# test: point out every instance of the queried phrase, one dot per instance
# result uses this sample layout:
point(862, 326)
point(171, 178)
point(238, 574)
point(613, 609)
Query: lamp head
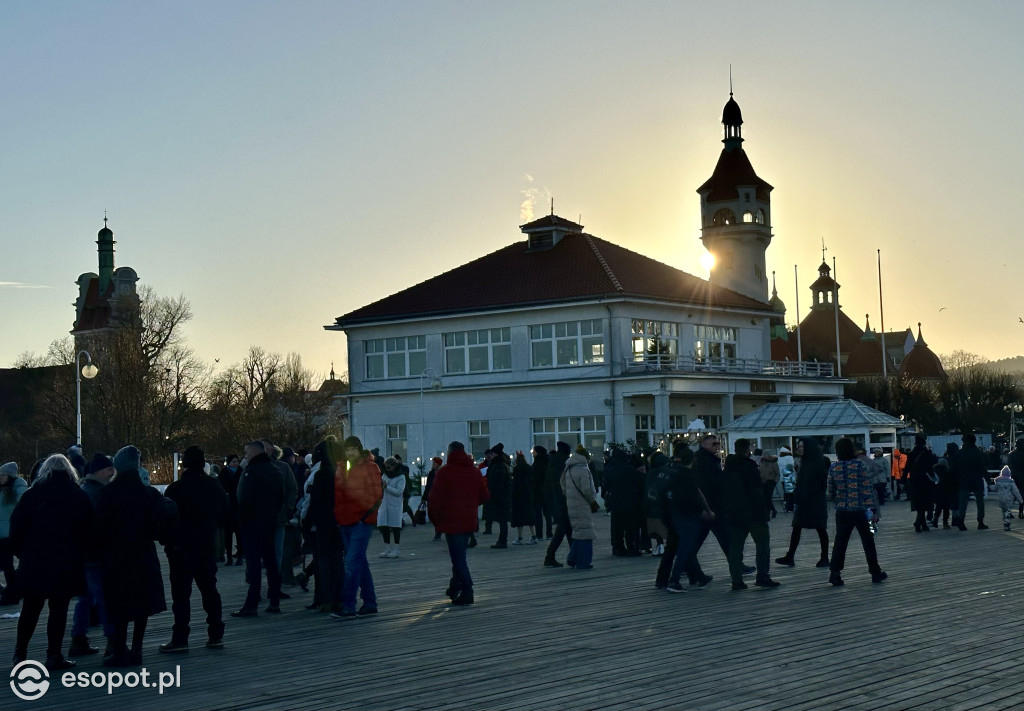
point(89, 371)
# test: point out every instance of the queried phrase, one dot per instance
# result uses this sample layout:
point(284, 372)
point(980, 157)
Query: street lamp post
point(89, 372)
point(1014, 408)
point(435, 384)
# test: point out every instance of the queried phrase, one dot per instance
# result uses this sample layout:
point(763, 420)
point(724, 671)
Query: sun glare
point(707, 260)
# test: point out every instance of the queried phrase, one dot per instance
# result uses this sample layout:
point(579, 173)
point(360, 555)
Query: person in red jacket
point(457, 492)
point(357, 496)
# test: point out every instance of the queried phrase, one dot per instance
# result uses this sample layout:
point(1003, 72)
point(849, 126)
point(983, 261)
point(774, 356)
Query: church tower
point(735, 207)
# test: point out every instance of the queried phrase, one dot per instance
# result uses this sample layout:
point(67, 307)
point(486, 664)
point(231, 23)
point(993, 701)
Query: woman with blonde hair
point(49, 530)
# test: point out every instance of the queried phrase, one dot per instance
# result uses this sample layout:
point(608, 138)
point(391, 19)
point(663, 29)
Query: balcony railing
point(738, 366)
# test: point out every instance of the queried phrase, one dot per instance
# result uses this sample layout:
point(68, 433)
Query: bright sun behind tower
point(707, 260)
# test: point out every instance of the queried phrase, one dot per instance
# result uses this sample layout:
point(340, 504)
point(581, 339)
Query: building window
point(761, 218)
point(748, 216)
point(677, 423)
point(398, 441)
point(590, 431)
point(404, 357)
point(715, 343)
point(655, 341)
point(711, 422)
point(479, 437)
point(569, 343)
point(479, 351)
point(644, 429)
point(725, 216)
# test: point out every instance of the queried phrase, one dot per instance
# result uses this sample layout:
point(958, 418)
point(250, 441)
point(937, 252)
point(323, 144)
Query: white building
point(565, 336)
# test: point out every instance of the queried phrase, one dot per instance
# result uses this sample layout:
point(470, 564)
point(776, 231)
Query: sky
point(283, 163)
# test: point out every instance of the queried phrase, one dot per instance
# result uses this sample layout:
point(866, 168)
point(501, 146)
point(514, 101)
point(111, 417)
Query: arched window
point(761, 218)
point(725, 216)
point(748, 217)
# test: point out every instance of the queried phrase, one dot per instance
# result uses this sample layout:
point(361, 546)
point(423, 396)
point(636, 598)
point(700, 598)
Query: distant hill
point(1009, 365)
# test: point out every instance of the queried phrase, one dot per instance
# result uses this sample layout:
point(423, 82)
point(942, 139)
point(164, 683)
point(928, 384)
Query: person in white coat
point(389, 516)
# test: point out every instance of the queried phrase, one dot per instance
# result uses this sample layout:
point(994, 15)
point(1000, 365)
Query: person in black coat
point(921, 470)
point(970, 470)
point(747, 515)
point(541, 512)
point(623, 496)
point(228, 478)
point(130, 516)
point(809, 497)
point(328, 565)
point(557, 504)
point(50, 527)
point(261, 502)
point(499, 484)
point(192, 553)
point(946, 491)
point(522, 500)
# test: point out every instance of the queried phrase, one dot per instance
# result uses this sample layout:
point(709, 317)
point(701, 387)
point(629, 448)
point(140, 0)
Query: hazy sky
point(282, 163)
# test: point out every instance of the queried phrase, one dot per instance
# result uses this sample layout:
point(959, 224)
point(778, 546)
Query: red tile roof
point(578, 267)
point(922, 362)
point(866, 359)
point(818, 336)
point(96, 310)
point(733, 169)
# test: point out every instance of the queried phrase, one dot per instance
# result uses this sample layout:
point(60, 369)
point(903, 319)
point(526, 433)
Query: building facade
point(562, 335)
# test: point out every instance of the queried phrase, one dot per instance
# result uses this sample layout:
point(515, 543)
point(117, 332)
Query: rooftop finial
point(104, 218)
point(552, 204)
point(823, 248)
point(730, 78)
point(332, 370)
point(774, 292)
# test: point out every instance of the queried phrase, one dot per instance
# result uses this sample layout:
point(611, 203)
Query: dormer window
point(541, 240)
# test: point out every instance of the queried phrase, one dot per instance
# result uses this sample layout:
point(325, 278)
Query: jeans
point(979, 498)
point(92, 597)
point(184, 568)
point(462, 581)
point(687, 532)
point(581, 554)
point(758, 530)
point(846, 521)
point(355, 538)
point(260, 550)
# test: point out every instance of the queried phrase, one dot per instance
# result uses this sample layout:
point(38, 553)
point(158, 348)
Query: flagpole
point(835, 308)
point(799, 349)
point(881, 310)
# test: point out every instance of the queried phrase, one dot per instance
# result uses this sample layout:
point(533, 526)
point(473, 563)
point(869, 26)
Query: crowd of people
point(89, 529)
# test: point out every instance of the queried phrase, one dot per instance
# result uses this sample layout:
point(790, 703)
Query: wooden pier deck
point(944, 632)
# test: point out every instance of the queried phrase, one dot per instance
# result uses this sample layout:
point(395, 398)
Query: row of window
point(552, 345)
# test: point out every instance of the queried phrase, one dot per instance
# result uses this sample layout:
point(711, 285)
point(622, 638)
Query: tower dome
point(866, 357)
point(731, 114)
point(921, 362)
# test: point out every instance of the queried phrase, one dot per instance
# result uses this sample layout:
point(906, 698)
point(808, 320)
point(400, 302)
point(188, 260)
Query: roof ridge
point(604, 264)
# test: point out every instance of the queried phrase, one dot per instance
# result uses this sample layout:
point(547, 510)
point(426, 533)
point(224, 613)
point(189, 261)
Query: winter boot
point(80, 647)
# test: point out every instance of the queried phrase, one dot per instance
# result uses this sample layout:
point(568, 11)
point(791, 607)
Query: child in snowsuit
point(1009, 496)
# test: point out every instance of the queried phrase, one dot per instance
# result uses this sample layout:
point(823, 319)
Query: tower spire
point(730, 79)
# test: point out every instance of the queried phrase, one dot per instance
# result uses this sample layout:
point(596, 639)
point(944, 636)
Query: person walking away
point(621, 499)
point(130, 517)
point(809, 497)
point(261, 499)
point(286, 537)
point(946, 493)
point(522, 503)
point(1015, 460)
point(557, 503)
point(655, 487)
point(319, 520)
point(458, 491)
point(192, 553)
point(228, 477)
point(899, 464)
point(688, 510)
point(879, 468)
point(499, 484)
point(541, 512)
point(770, 475)
point(49, 529)
point(970, 470)
point(922, 480)
point(577, 486)
point(389, 517)
point(1009, 495)
point(100, 472)
point(12, 487)
point(849, 486)
point(357, 497)
point(747, 515)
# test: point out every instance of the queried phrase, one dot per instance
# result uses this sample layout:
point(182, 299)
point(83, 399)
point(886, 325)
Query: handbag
point(594, 506)
point(420, 517)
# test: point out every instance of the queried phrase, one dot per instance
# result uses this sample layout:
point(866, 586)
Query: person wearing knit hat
point(129, 517)
point(101, 471)
point(202, 505)
point(1009, 495)
point(12, 487)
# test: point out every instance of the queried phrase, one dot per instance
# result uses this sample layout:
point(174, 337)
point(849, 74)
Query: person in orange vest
point(899, 463)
